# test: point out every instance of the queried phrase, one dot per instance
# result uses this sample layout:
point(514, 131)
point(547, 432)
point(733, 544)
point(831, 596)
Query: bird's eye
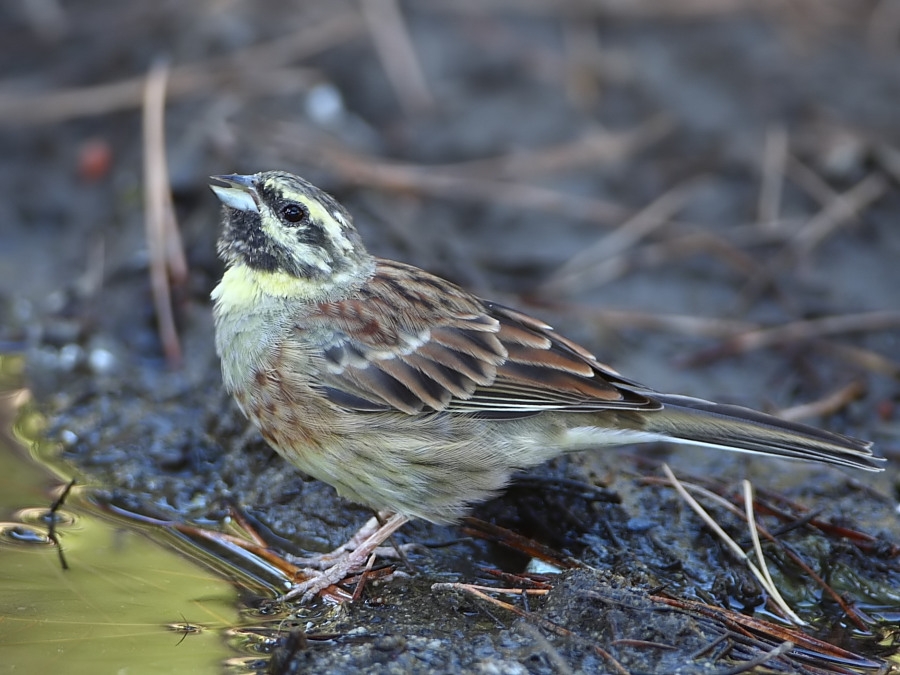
point(293, 213)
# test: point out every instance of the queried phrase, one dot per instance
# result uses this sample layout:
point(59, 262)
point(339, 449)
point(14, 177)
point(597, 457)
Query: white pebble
point(324, 104)
point(101, 360)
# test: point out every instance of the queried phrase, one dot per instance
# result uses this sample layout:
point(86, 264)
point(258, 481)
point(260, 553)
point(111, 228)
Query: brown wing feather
point(412, 342)
point(545, 371)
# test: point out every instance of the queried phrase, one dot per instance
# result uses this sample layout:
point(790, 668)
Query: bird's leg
point(348, 557)
point(325, 560)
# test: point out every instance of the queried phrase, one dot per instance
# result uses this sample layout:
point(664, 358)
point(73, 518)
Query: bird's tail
point(684, 419)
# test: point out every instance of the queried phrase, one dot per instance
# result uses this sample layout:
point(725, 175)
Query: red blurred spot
point(94, 159)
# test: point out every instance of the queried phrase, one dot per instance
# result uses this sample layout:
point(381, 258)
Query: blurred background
point(746, 152)
point(703, 192)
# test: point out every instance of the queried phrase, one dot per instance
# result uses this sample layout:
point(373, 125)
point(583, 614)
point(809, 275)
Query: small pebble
point(68, 437)
point(101, 360)
point(324, 104)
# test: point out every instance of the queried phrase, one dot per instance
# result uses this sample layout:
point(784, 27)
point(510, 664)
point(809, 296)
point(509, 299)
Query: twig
point(186, 80)
point(888, 158)
point(773, 167)
point(492, 589)
point(51, 531)
point(747, 625)
point(159, 215)
point(654, 254)
point(748, 666)
point(799, 331)
point(753, 527)
point(397, 177)
point(861, 540)
point(827, 405)
point(593, 149)
point(397, 54)
point(517, 542)
point(546, 624)
point(363, 578)
point(843, 208)
point(810, 182)
point(655, 9)
point(678, 324)
point(763, 578)
point(576, 273)
point(861, 358)
point(482, 180)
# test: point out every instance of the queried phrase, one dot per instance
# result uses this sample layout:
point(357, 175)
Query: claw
point(345, 561)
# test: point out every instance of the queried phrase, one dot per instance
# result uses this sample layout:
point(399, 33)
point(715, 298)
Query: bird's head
point(278, 226)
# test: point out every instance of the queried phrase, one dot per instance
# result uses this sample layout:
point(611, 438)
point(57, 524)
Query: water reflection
point(114, 609)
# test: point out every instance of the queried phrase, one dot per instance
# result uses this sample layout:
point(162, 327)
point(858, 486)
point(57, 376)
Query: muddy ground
point(656, 179)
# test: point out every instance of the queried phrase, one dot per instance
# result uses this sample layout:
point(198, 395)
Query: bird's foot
point(331, 568)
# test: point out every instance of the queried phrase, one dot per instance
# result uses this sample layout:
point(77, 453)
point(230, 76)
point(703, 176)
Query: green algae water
point(126, 604)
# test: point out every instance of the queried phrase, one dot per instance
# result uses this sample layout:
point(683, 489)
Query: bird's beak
point(241, 193)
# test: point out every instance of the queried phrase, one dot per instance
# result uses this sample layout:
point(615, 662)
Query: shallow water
point(126, 603)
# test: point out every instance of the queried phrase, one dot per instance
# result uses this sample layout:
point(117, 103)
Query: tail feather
point(684, 419)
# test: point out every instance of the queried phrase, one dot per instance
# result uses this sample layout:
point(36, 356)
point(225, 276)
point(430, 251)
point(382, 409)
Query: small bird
point(412, 396)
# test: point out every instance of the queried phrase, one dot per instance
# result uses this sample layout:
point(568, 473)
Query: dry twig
point(395, 49)
point(826, 405)
point(773, 168)
point(861, 540)
point(546, 624)
point(596, 147)
point(655, 9)
point(800, 331)
point(656, 254)
point(411, 178)
point(167, 261)
point(678, 324)
point(838, 212)
point(762, 576)
point(751, 626)
point(861, 358)
point(810, 182)
point(478, 528)
point(577, 272)
point(200, 78)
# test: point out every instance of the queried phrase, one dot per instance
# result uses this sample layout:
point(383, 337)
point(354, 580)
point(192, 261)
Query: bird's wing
point(412, 342)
